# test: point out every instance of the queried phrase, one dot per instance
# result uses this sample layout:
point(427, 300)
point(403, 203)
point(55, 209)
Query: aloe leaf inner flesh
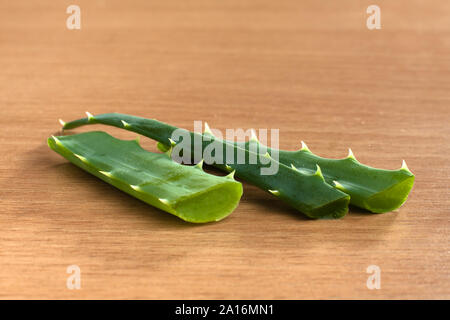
point(184, 191)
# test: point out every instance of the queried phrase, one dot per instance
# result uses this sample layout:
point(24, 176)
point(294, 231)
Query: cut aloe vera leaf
point(184, 191)
point(373, 189)
point(306, 192)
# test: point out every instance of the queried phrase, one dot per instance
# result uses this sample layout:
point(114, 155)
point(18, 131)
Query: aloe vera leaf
point(308, 193)
point(373, 189)
point(376, 190)
point(184, 191)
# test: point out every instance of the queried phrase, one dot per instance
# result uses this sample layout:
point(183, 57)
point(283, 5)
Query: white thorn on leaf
point(200, 164)
point(274, 192)
point(57, 141)
point(165, 201)
point(172, 142)
point(62, 122)
point(253, 136)
point(83, 159)
point(293, 167)
point(229, 169)
point(267, 155)
point(318, 171)
point(404, 166)
point(304, 147)
point(135, 187)
point(89, 115)
point(207, 129)
point(125, 124)
point(108, 174)
point(338, 185)
point(231, 175)
point(350, 154)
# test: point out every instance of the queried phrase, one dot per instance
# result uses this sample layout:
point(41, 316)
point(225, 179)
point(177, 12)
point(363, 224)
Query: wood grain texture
point(310, 68)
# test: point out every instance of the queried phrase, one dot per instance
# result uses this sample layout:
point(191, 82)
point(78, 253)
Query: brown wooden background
point(310, 68)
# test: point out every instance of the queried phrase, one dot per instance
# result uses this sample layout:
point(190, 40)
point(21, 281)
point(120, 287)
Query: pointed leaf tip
point(62, 122)
point(125, 124)
point(304, 147)
point(89, 115)
point(274, 192)
point(200, 164)
point(231, 175)
point(207, 129)
point(253, 136)
point(350, 154)
point(318, 171)
point(108, 174)
point(338, 185)
point(135, 187)
point(172, 143)
point(57, 141)
point(165, 201)
point(83, 159)
point(405, 167)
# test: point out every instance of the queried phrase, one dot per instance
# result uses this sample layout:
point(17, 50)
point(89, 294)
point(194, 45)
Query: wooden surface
point(310, 68)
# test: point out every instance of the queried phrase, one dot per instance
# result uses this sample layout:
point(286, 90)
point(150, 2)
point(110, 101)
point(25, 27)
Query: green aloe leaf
point(373, 189)
point(184, 191)
point(307, 192)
